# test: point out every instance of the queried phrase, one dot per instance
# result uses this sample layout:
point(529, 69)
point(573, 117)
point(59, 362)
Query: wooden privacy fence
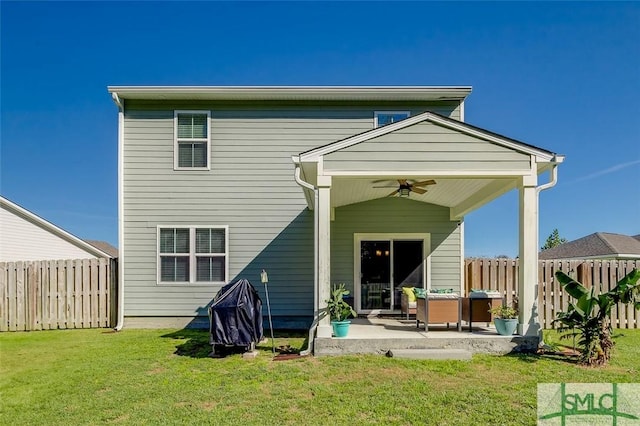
point(57, 294)
point(502, 275)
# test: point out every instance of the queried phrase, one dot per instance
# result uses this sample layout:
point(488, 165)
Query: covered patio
point(346, 185)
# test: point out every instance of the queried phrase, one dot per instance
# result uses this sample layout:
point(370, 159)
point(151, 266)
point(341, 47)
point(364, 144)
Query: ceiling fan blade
point(393, 193)
point(424, 182)
point(418, 190)
point(389, 186)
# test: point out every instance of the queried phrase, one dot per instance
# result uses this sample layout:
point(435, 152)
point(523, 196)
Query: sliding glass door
point(384, 266)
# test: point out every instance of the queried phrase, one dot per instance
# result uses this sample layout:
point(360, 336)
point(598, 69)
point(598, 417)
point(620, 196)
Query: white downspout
point(120, 315)
point(314, 324)
point(539, 189)
point(552, 182)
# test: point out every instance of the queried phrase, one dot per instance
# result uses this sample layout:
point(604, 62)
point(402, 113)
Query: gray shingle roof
point(104, 246)
point(601, 244)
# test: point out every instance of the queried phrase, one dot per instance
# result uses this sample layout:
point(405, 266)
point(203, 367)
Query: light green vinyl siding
point(397, 215)
point(427, 146)
point(249, 187)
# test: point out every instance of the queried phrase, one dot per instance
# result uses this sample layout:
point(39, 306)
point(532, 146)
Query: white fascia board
point(48, 226)
point(321, 93)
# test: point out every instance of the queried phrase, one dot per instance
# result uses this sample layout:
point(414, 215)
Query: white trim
point(449, 123)
point(462, 111)
point(377, 113)
point(192, 255)
point(176, 140)
point(391, 237)
point(318, 93)
point(51, 228)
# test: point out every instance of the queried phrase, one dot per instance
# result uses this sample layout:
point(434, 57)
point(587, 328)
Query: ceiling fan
point(405, 187)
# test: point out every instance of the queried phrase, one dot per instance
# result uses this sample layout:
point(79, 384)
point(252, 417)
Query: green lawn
point(164, 377)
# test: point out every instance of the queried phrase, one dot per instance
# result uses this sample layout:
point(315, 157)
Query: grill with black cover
point(235, 316)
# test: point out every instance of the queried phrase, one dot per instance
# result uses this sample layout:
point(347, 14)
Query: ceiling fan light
point(404, 192)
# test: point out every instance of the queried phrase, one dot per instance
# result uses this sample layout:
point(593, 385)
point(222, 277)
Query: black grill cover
point(235, 315)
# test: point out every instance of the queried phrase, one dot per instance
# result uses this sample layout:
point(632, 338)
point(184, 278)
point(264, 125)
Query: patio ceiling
point(448, 192)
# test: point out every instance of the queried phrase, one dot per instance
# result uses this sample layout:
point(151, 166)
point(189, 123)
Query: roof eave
point(310, 93)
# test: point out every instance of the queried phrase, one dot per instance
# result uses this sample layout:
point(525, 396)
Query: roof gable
point(437, 120)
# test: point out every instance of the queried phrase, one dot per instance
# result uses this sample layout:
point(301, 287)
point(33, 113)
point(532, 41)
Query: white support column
point(528, 320)
point(323, 210)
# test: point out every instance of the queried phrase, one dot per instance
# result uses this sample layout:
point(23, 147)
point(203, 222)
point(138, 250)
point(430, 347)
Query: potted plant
point(505, 319)
point(339, 310)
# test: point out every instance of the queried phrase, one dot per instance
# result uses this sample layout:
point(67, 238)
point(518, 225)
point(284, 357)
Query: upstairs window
point(192, 140)
point(192, 255)
point(382, 118)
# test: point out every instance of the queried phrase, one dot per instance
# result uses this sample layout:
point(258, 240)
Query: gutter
point(314, 324)
point(120, 315)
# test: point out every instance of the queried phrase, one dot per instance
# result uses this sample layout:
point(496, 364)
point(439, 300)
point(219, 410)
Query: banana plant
point(589, 317)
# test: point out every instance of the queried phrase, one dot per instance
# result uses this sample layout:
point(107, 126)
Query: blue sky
point(562, 76)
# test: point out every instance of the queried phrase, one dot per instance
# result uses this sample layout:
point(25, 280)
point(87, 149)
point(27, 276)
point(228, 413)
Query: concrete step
point(439, 354)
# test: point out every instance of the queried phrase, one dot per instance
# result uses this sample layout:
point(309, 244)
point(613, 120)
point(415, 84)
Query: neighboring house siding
point(406, 149)
point(24, 240)
point(397, 215)
point(250, 188)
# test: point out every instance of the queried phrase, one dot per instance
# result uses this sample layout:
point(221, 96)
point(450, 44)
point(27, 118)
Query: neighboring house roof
point(105, 247)
point(40, 228)
point(599, 245)
point(284, 93)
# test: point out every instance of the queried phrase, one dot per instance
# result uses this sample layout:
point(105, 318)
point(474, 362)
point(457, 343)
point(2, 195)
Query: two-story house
point(368, 186)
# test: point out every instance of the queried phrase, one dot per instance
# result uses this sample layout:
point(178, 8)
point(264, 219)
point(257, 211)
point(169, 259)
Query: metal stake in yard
point(265, 279)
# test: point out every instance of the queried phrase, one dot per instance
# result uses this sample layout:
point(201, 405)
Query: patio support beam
point(528, 323)
point(324, 254)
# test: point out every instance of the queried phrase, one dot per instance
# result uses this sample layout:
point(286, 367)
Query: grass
point(165, 377)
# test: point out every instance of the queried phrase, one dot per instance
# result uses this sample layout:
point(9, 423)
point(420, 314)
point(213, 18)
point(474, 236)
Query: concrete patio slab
point(375, 335)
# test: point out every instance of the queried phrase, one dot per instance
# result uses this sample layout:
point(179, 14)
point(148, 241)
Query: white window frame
point(176, 140)
point(193, 255)
point(377, 113)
